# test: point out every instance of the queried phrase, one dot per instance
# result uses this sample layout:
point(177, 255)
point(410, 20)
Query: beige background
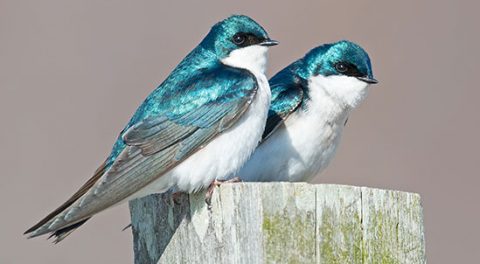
point(72, 73)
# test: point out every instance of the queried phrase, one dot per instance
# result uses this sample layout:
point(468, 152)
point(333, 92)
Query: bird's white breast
point(224, 156)
point(306, 143)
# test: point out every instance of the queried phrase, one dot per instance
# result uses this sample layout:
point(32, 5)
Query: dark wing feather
point(156, 134)
point(85, 187)
point(286, 98)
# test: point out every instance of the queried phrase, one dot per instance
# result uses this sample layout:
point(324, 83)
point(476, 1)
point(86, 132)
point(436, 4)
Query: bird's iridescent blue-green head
point(343, 58)
point(233, 33)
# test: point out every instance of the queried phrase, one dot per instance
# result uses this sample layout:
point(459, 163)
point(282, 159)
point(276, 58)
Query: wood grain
point(280, 223)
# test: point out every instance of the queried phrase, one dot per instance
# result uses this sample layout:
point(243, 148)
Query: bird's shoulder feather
point(287, 96)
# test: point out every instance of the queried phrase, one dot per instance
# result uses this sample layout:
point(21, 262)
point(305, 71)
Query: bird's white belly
point(295, 152)
point(223, 156)
point(313, 150)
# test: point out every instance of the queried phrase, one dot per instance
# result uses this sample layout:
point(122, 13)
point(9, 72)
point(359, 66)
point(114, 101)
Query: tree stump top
point(280, 223)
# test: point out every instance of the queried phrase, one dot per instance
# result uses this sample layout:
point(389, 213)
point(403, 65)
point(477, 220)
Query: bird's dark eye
point(239, 38)
point(341, 67)
point(348, 69)
point(244, 39)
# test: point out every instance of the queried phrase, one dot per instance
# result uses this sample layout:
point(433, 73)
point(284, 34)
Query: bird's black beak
point(368, 80)
point(268, 42)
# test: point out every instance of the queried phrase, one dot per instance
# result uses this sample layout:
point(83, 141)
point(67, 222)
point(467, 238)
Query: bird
point(198, 126)
point(311, 101)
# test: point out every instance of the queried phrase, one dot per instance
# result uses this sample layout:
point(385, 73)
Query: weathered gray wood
point(280, 223)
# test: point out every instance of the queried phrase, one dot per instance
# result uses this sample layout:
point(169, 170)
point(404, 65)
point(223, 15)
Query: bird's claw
point(213, 185)
point(127, 227)
point(177, 197)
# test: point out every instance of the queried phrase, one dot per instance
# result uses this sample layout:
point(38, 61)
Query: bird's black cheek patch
point(250, 40)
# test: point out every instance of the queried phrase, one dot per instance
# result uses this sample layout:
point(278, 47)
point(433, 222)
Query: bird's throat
point(252, 58)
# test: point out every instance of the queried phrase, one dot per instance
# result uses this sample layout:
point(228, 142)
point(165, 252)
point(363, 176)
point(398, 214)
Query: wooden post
point(280, 223)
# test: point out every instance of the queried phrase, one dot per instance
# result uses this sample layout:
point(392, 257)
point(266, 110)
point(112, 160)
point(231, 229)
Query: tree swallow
point(200, 125)
point(311, 101)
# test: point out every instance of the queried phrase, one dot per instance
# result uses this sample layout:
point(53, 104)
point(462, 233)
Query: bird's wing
point(183, 122)
point(286, 98)
point(60, 234)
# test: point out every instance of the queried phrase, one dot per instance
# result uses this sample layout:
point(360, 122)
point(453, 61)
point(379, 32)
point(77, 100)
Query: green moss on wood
point(340, 238)
point(283, 231)
point(383, 238)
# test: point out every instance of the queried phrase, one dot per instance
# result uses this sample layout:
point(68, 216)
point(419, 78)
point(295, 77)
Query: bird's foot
point(213, 185)
point(177, 197)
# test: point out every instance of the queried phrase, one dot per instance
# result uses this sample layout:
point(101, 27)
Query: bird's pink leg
point(213, 185)
point(176, 197)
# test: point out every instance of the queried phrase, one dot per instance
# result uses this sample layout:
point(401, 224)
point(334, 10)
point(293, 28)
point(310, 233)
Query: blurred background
point(73, 72)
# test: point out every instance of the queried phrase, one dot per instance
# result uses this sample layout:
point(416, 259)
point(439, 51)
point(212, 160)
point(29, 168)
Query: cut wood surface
point(280, 223)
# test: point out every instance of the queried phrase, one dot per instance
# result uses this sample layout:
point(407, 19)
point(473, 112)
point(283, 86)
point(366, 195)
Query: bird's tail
point(43, 227)
point(60, 234)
